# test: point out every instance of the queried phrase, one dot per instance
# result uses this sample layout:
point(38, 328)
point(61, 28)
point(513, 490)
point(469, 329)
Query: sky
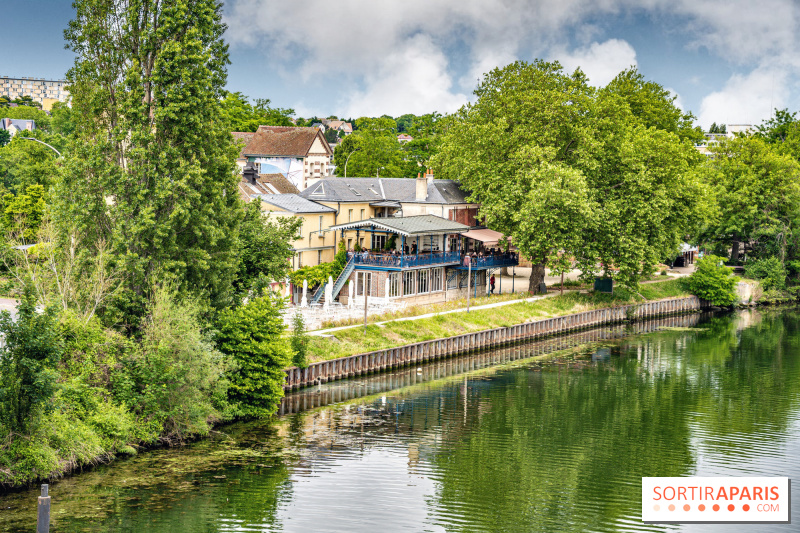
point(726, 61)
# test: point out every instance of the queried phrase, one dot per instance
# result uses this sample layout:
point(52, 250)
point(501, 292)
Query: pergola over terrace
point(423, 241)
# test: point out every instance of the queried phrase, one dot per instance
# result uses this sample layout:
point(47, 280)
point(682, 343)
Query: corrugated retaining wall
point(391, 358)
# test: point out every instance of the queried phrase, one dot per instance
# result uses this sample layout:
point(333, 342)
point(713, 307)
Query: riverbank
point(354, 340)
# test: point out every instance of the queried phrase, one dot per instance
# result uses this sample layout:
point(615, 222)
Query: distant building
point(302, 155)
point(15, 125)
point(254, 184)
point(46, 92)
point(404, 138)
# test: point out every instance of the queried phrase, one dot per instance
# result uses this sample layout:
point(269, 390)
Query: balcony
point(492, 261)
point(365, 260)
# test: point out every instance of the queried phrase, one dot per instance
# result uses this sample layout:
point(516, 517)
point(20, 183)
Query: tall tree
point(526, 131)
point(244, 116)
point(374, 149)
point(653, 105)
point(152, 169)
point(758, 196)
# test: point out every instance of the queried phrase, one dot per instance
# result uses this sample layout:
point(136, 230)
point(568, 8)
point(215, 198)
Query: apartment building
point(46, 92)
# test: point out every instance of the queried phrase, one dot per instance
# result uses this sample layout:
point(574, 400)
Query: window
point(361, 278)
point(300, 229)
point(319, 257)
point(320, 222)
point(436, 279)
point(378, 241)
point(299, 259)
point(361, 242)
point(408, 283)
point(349, 215)
point(423, 283)
point(362, 214)
point(349, 244)
point(394, 284)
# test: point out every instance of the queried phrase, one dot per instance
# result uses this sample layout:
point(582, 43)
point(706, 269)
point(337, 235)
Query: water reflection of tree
point(562, 450)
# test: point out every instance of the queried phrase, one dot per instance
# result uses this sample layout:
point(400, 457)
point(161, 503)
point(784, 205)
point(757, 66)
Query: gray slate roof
point(377, 189)
point(294, 203)
point(416, 225)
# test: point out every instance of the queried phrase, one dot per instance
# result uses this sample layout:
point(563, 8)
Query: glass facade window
point(394, 284)
point(423, 282)
point(436, 279)
point(408, 283)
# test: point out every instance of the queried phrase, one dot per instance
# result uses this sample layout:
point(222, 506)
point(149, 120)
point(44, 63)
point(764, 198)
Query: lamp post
point(348, 159)
point(44, 143)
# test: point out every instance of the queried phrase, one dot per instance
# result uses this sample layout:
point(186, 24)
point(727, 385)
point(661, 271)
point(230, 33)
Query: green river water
point(538, 444)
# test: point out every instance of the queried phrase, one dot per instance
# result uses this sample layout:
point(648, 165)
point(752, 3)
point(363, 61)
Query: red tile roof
point(283, 141)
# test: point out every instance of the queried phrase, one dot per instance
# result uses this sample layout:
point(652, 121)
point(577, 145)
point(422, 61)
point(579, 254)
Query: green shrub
point(770, 271)
point(176, 379)
point(712, 281)
point(252, 335)
point(299, 341)
point(29, 355)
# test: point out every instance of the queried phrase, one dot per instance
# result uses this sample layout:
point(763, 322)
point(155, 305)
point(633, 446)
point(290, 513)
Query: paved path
point(428, 315)
point(520, 285)
point(9, 304)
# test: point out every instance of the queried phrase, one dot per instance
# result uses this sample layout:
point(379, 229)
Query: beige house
point(357, 199)
point(302, 155)
point(314, 243)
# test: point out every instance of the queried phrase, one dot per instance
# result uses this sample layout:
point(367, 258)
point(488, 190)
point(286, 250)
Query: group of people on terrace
point(486, 257)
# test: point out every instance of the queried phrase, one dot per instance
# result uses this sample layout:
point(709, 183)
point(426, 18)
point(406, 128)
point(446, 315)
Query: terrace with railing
point(400, 261)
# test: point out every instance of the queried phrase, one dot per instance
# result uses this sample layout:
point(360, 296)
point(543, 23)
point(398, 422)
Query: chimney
point(429, 175)
point(422, 188)
point(249, 173)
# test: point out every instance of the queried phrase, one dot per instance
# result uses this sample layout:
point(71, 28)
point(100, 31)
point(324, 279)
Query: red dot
point(731, 507)
point(671, 507)
point(687, 507)
point(746, 507)
point(716, 507)
point(701, 507)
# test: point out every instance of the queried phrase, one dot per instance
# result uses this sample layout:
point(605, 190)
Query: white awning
point(486, 236)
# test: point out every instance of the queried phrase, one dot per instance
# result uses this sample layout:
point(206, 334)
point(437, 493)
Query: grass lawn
point(353, 340)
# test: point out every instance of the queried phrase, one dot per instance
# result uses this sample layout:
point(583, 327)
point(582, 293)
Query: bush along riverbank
point(75, 394)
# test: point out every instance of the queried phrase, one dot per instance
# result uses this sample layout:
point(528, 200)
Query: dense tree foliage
point(22, 214)
point(29, 353)
point(152, 169)
point(265, 248)
point(713, 281)
point(565, 170)
point(244, 116)
point(251, 336)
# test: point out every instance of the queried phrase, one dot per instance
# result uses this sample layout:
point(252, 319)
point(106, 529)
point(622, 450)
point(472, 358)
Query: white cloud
point(601, 62)
point(401, 54)
point(745, 99)
point(411, 80)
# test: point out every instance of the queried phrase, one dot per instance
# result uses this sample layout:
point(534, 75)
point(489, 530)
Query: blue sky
point(727, 61)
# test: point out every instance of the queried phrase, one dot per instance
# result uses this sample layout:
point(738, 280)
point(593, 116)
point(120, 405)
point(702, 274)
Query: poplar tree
point(151, 171)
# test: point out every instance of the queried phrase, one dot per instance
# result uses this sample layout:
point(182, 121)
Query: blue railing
point(406, 261)
point(492, 261)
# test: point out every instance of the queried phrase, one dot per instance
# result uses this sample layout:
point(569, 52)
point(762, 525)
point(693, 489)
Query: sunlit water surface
point(535, 445)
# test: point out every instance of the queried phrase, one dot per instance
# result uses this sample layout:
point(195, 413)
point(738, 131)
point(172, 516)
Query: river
point(542, 442)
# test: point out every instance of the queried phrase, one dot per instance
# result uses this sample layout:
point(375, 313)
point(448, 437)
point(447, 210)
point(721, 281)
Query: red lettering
point(745, 494)
point(721, 494)
point(681, 493)
point(774, 492)
point(673, 493)
point(709, 493)
point(733, 491)
point(693, 491)
point(757, 493)
point(657, 490)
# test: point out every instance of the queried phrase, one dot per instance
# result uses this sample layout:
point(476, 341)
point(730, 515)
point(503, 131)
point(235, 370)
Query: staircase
point(319, 294)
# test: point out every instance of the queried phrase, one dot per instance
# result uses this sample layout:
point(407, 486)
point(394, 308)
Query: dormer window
point(319, 191)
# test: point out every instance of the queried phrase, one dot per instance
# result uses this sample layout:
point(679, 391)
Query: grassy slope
point(354, 340)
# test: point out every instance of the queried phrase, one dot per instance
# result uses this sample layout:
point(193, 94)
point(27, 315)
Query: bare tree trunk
point(735, 251)
point(537, 277)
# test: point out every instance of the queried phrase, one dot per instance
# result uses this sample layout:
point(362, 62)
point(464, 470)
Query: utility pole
point(469, 278)
point(366, 291)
